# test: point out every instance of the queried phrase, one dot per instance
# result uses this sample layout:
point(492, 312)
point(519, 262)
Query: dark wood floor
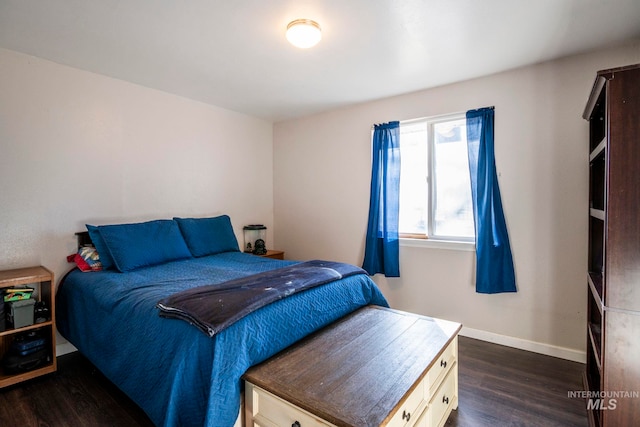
point(498, 386)
point(77, 395)
point(503, 386)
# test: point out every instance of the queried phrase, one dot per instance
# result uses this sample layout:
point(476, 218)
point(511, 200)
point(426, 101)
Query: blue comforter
point(175, 373)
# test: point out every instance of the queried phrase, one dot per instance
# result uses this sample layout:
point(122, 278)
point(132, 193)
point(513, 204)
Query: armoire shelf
point(598, 150)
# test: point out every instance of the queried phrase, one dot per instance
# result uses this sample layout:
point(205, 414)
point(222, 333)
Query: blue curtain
point(494, 261)
point(381, 254)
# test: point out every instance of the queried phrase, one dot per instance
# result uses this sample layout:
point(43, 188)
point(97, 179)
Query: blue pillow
point(144, 244)
point(208, 236)
point(101, 247)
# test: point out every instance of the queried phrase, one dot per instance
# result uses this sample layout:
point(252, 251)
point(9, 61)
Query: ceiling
point(233, 53)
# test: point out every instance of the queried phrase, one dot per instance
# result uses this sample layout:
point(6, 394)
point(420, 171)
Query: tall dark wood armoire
point(613, 334)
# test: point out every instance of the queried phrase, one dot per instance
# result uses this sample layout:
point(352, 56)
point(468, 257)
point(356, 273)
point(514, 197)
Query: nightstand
point(273, 254)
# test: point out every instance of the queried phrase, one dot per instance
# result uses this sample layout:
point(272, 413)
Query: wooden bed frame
point(83, 239)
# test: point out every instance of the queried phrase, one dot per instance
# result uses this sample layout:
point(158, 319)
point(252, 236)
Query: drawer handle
point(445, 399)
point(296, 424)
point(443, 363)
point(406, 415)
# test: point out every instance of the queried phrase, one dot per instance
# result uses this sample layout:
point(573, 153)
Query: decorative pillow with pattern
point(87, 259)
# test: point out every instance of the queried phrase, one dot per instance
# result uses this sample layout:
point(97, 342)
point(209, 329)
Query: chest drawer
point(271, 411)
point(436, 384)
point(441, 367)
point(444, 400)
point(411, 408)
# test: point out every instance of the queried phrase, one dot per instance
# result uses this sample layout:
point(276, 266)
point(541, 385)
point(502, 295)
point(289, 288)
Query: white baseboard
point(536, 347)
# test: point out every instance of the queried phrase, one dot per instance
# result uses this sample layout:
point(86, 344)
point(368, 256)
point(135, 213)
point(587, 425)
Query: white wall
point(321, 182)
point(77, 147)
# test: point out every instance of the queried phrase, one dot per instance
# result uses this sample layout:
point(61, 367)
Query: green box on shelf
point(21, 313)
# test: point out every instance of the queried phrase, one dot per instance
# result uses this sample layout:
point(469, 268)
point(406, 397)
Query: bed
point(177, 374)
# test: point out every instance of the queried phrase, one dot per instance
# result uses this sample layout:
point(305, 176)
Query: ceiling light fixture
point(303, 33)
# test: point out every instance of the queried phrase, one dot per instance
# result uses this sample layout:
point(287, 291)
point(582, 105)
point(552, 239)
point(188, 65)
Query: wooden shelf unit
point(45, 287)
point(613, 305)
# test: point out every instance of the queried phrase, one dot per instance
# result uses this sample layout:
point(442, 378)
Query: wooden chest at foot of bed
point(375, 367)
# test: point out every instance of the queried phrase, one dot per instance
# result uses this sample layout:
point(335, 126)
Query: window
point(435, 189)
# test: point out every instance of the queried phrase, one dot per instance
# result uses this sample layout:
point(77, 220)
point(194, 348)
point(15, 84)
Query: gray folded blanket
point(213, 308)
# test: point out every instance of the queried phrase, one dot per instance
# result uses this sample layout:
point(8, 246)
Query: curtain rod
point(432, 117)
